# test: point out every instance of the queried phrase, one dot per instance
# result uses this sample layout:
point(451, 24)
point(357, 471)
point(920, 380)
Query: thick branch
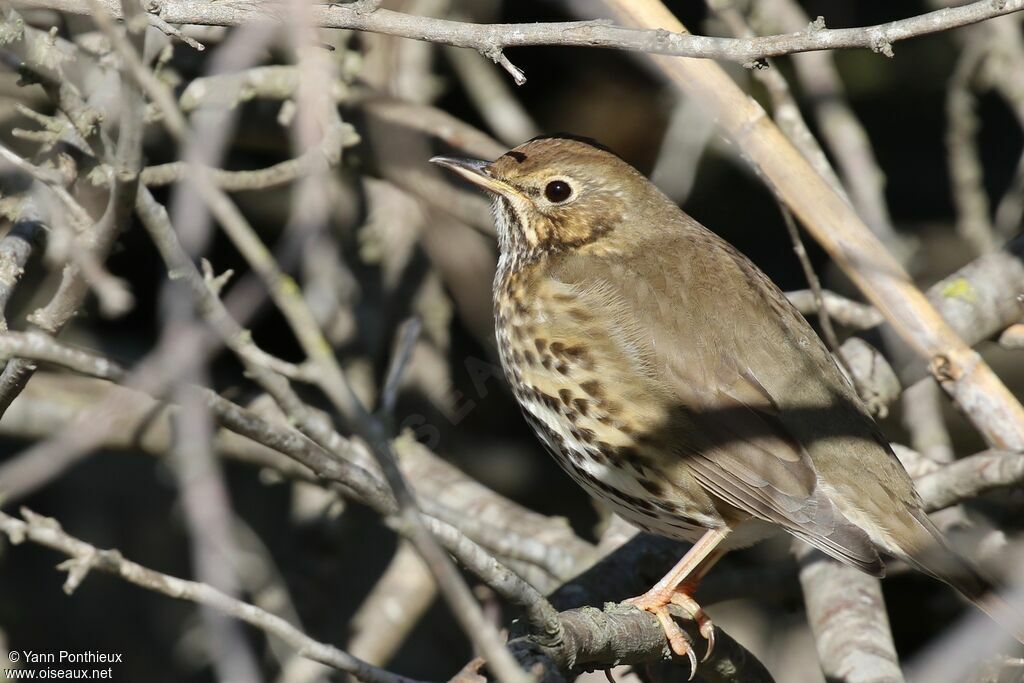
point(970, 477)
point(620, 634)
point(847, 615)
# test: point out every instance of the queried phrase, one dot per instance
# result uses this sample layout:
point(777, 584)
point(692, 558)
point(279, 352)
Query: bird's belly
point(586, 402)
point(632, 487)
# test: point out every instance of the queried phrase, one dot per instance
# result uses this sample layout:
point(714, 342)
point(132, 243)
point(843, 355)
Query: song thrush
point(673, 380)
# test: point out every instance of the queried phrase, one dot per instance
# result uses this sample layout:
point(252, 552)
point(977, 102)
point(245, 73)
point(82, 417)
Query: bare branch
point(127, 157)
point(844, 311)
point(973, 220)
point(842, 133)
point(847, 615)
point(491, 39)
point(42, 348)
point(490, 94)
point(401, 595)
point(970, 477)
point(16, 248)
point(620, 634)
point(84, 557)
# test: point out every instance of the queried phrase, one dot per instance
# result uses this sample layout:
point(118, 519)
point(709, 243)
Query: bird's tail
point(938, 559)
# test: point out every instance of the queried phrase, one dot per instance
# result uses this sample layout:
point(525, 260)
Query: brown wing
point(738, 379)
point(743, 453)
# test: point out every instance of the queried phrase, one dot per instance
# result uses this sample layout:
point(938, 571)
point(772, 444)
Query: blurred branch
point(785, 110)
point(689, 132)
point(491, 96)
point(1010, 209)
point(844, 311)
point(84, 558)
point(847, 615)
point(232, 90)
point(127, 158)
point(965, 171)
point(401, 595)
point(394, 128)
point(208, 517)
point(1002, 46)
point(112, 294)
point(203, 491)
point(52, 401)
point(336, 138)
point(16, 247)
point(437, 123)
point(970, 477)
point(491, 39)
point(842, 132)
point(922, 416)
point(1013, 337)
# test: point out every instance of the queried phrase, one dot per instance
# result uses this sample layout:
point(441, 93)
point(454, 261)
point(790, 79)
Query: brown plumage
point(672, 379)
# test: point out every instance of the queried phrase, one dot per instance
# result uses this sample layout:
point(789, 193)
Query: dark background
point(129, 500)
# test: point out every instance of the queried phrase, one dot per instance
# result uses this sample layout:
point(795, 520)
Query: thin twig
point(413, 526)
point(490, 94)
point(85, 557)
point(840, 129)
point(844, 311)
point(16, 247)
point(491, 39)
point(331, 380)
point(824, 318)
point(127, 162)
point(410, 332)
point(965, 169)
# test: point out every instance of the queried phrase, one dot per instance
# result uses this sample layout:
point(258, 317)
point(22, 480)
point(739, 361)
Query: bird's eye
point(557, 191)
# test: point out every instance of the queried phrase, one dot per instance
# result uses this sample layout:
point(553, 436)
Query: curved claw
point(697, 613)
point(677, 640)
point(709, 635)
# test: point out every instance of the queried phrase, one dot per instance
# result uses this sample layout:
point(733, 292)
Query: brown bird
point(674, 381)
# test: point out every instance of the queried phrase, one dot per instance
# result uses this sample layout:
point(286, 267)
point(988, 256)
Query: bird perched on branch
point(673, 380)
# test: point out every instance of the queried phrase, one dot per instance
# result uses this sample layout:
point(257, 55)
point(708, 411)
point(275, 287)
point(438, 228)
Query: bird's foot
point(657, 601)
point(707, 629)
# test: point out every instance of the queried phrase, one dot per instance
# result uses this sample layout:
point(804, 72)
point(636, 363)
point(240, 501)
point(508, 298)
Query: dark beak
point(475, 171)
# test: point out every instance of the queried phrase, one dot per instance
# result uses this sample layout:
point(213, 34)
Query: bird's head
point(558, 193)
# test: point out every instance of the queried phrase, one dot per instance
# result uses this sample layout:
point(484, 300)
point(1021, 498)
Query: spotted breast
point(564, 367)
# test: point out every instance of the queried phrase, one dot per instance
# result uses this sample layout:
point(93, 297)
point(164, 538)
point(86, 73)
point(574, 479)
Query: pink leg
point(676, 587)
